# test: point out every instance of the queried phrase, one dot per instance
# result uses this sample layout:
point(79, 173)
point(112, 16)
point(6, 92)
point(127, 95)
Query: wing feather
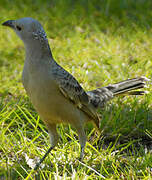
point(72, 90)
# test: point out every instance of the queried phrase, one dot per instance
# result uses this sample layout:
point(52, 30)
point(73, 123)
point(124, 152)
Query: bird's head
point(28, 29)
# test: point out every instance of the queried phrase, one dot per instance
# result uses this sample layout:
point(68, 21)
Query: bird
point(55, 94)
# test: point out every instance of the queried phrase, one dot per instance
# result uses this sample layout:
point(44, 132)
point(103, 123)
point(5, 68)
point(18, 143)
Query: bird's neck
point(37, 50)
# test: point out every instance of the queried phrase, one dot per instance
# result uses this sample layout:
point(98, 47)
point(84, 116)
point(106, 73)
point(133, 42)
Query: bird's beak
point(9, 23)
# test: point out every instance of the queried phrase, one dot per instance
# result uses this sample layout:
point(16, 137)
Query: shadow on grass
point(104, 14)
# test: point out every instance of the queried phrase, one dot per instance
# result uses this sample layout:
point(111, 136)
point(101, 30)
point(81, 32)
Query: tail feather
point(124, 87)
point(100, 96)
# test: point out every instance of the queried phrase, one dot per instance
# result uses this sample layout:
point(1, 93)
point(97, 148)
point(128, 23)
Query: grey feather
point(100, 96)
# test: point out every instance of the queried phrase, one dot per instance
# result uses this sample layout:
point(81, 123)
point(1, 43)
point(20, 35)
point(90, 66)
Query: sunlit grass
point(99, 42)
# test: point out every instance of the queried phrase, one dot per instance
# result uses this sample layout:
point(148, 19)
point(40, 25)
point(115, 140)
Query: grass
point(99, 42)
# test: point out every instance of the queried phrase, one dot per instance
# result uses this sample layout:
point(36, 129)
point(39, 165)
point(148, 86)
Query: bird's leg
point(82, 153)
point(53, 139)
point(82, 139)
point(41, 160)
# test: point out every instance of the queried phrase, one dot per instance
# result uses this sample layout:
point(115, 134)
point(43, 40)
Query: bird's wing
point(72, 90)
point(70, 87)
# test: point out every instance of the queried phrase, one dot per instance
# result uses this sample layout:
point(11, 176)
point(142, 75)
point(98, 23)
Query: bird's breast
point(46, 97)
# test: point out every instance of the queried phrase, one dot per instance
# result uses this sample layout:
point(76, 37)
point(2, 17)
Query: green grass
point(99, 42)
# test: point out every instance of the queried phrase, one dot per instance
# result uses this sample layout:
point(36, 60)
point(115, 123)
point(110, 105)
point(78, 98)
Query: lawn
point(99, 42)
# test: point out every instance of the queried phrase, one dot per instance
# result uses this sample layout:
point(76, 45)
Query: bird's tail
point(128, 87)
point(100, 96)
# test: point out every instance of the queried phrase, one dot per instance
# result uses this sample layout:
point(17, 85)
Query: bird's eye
point(18, 28)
